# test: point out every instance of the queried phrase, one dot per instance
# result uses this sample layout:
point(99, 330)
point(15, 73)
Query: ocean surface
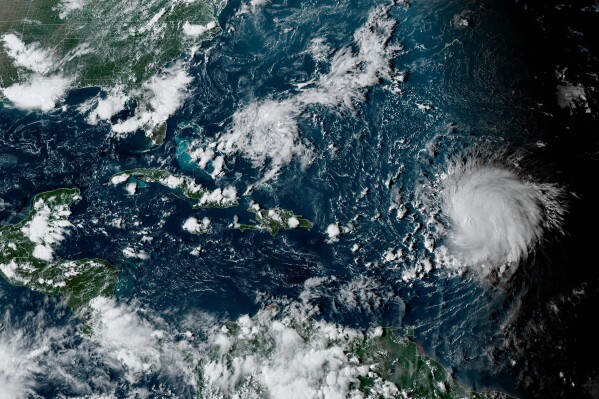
point(461, 85)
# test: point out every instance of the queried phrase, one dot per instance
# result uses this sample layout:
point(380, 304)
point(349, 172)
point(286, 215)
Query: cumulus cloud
point(66, 7)
point(333, 230)
point(221, 197)
point(17, 366)
point(128, 337)
point(159, 98)
point(197, 30)
point(41, 86)
point(40, 92)
point(143, 344)
point(268, 131)
point(47, 228)
point(31, 57)
point(107, 107)
point(285, 353)
point(352, 73)
point(287, 356)
point(120, 346)
point(572, 97)
point(196, 226)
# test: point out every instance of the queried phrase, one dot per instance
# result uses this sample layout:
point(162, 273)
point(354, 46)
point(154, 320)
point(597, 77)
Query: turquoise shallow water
point(466, 86)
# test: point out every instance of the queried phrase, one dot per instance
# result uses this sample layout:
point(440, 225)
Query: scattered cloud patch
point(132, 253)
point(140, 343)
point(287, 355)
point(107, 107)
point(158, 99)
point(66, 7)
point(48, 227)
point(267, 131)
point(197, 30)
point(18, 365)
point(32, 57)
point(196, 226)
point(253, 6)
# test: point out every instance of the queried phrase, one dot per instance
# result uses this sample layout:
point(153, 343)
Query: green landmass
point(183, 186)
point(190, 125)
point(275, 219)
point(419, 376)
point(104, 43)
point(279, 347)
point(26, 254)
point(157, 134)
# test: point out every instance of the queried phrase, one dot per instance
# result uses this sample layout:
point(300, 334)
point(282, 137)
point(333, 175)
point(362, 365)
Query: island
point(273, 220)
point(182, 186)
point(27, 253)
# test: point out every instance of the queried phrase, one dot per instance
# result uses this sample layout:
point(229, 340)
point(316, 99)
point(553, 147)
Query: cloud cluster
point(159, 97)
point(47, 228)
point(268, 130)
point(496, 214)
point(43, 86)
point(288, 355)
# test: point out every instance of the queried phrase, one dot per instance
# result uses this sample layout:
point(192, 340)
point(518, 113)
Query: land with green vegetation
point(284, 347)
point(27, 258)
point(398, 360)
point(104, 43)
point(275, 219)
point(183, 186)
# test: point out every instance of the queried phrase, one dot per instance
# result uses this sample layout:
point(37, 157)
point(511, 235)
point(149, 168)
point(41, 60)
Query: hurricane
point(273, 199)
point(497, 214)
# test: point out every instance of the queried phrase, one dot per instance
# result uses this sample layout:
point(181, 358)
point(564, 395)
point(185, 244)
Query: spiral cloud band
point(496, 216)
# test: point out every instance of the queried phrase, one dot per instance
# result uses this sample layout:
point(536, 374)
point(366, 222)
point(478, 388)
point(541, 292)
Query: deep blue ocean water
point(477, 81)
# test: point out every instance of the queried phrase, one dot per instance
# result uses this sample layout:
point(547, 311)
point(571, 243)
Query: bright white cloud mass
point(497, 216)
